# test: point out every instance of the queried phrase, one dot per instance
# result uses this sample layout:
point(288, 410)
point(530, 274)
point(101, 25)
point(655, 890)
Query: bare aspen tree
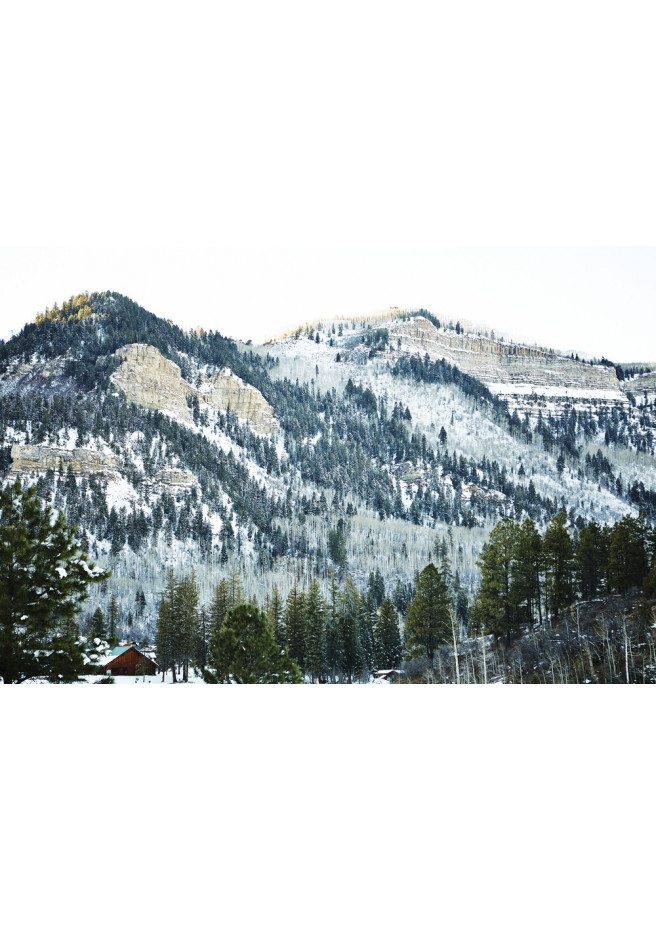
point(455, 644)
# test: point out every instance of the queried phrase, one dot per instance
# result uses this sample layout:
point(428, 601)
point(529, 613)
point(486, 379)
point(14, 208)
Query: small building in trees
point(128, 660)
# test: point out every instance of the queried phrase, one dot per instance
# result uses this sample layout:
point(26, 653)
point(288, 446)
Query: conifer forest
point(397, 499)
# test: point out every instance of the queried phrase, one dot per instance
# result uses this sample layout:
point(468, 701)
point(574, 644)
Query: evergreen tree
point(428, 622)
point(334, 647)
point(165, 640)
point(243, 650)
point(276, 617)
point(627, 557)
point(590, 560)
point(235, 589)
point(44, 578)
point(559, 564)
point(349, 629)
point(113, 620)
point(177, 624)
point(337, 549)
point(366, 628)
point(185, 619)
point(97, 627)
point(387, 638)
point(220, 605)
point(204, 630)
point(495, 605)
point(295, 626)
point(315, 632)
point(527, 571)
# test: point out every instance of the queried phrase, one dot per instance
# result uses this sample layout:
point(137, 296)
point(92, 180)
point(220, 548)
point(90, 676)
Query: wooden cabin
point(128, 660)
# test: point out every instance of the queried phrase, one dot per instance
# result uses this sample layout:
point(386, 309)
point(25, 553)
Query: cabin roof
point(118, 651)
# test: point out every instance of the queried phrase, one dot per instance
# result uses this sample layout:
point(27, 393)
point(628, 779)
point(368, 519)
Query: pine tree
point(428, 622)
point(113, 619)
point(337, 549)
point(204, 629)
point(627, 557)
point(44, 578)
point(97, 627)
point(387, 638)
point(295, 626)
point(590, 560)
point(185, 618)
point(350, 607)
point(495, 605)
point(527, 571)
point(235, 589)
point(334, 645)
point(243, 650)
point(559, 564)
point(220, 604)
point(276, 617)
point(165, 643)
point(315, 632)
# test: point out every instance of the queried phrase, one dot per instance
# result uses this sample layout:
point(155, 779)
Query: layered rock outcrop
point(640, 385)
point(175, 478)
point(29, 459)
point(226, 391)
point(509, 369)
point(150, 380)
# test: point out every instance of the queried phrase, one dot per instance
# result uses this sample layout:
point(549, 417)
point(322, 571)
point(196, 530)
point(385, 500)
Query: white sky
point(249, 166)
point(595, 301)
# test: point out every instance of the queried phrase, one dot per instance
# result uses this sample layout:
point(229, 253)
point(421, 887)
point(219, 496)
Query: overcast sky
point(250, 166)
point(595, 301)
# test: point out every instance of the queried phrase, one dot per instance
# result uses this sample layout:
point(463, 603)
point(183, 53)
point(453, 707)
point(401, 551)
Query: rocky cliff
point(31, 378)
point(641, 385)
point(29, 459)
point(150, 380)
point(225, 390)
point(510, 370)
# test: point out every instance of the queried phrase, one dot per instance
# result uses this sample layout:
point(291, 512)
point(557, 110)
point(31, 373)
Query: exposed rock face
point(641, 384)
point(175, 478)
point(27, 378)
point(511, 370)
point(150, 380)
point(29, 459)
point(225, 390)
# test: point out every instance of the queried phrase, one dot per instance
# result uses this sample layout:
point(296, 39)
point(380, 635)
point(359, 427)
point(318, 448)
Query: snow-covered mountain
point(172, 448)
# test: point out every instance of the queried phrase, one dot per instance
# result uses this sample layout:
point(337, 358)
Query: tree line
point(527, 576)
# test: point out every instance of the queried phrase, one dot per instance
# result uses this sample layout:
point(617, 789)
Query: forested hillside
point(329, 468)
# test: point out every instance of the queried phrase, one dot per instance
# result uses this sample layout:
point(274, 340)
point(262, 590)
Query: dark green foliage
point(590, 559)
point(627, 557)
point(97, 626)
point(348, 621)
point(428, 623)
point(44, 578)
point(243, 650)
point(387, 638)
point(177, 638)
point(337, 550)
point(495, 606)
point(295, 626)
point(113, 620)
point(315, 632)
point(559, 564)
point(276, 617)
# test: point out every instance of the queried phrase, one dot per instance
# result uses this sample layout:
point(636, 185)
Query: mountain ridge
point(406, 451)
